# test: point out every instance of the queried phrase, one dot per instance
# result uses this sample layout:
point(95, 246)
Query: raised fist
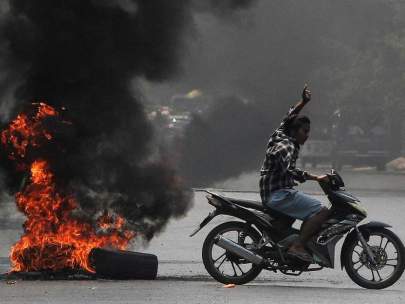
point(306, 94)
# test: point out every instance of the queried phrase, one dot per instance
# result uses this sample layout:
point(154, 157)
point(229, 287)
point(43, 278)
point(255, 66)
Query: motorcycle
point(237, 251)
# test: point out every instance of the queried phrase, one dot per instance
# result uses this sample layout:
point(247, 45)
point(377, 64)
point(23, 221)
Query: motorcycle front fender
point(364, 229)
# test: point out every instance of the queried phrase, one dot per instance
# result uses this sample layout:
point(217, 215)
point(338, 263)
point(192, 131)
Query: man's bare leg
point(308, 229)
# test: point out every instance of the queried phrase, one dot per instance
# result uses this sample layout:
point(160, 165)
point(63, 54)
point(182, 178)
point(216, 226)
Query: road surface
point(183, 279)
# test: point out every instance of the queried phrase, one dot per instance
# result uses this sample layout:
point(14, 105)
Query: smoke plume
point(224, 6)
point(224, 142)
point(81, 55)
point(330, 44)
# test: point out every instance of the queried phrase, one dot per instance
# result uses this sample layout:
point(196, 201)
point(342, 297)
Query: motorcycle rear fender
point(365, 230)
point(205, 221)
point(236, 211)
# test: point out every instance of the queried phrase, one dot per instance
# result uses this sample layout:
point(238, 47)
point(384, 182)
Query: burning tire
point(124, 264)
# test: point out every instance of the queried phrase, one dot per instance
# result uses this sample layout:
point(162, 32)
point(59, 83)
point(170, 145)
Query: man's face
point(302, 134)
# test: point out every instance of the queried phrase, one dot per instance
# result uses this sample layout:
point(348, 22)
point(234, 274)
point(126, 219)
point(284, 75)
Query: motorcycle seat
point(247, 203)
point(258, 206)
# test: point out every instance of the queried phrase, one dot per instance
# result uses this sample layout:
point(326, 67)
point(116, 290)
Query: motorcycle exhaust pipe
point(238, 250)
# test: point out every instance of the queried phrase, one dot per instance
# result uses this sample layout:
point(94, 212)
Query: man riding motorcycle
point(279, 173)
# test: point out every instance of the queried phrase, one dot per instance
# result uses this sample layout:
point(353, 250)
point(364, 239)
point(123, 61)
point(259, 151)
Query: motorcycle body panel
point(325, 253)
point(343, 196)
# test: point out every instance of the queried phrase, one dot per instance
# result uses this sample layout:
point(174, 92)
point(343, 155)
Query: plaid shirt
point(278, 170)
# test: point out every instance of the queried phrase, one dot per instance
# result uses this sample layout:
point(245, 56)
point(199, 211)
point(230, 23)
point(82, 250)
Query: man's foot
point(297, 250)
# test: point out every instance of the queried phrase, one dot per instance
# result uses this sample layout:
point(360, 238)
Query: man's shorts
point(294, 203)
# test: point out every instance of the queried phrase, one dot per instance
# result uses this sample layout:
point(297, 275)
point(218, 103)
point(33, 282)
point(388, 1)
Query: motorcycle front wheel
point(224, 266)
point(389, 256)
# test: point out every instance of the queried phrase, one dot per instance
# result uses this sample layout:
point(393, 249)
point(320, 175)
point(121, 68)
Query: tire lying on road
point(121, 265)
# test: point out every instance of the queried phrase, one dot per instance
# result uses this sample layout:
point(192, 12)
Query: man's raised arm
point(306, 97)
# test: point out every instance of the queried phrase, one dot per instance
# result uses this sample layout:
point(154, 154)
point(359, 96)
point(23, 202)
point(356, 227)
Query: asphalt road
point(183, 279)
point(172, 291)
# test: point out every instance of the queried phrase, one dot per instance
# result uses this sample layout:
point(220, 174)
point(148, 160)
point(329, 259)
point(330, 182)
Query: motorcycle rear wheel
point(236, 265)
point(370, 276)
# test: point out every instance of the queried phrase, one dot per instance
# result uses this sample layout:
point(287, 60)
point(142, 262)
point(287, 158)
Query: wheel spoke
point(240, 269)
point(381, 240)
point(234, 270)
point(216, 260)
point(221, 263)
point(357, 253)
point(372, 273)
point(357, 269)
point(390, 265)
point(392, 259)
point(379, 274)
point(388, 241)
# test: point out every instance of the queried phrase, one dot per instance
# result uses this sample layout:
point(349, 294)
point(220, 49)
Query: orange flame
point(25, 131)
point(53, 239)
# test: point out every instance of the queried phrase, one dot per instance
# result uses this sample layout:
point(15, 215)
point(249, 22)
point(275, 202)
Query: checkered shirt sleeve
point(279, 169)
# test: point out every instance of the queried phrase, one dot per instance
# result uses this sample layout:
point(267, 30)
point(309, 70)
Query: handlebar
point(335, 182)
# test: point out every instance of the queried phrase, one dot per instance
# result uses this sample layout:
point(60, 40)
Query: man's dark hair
point(295, 122)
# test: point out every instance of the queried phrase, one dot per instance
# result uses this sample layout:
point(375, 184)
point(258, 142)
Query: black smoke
point(227, 5)
point(82, 55)
point(232, 12)
point(223, 6)
point(224, 142)
point(289, 43)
